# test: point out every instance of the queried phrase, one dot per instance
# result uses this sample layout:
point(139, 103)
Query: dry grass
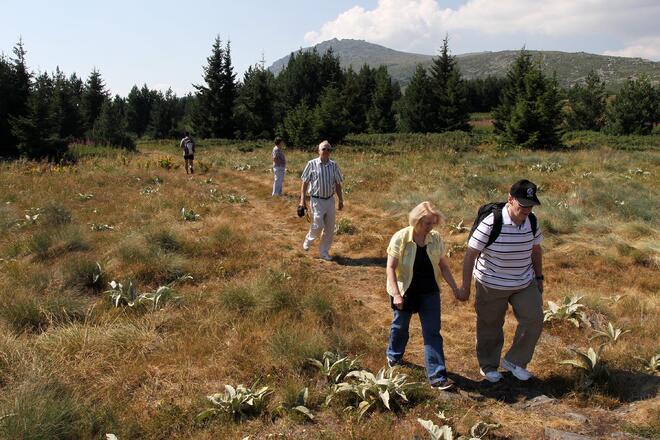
point(73, 366)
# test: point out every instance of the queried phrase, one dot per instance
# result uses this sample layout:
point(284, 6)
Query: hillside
point(570, 67)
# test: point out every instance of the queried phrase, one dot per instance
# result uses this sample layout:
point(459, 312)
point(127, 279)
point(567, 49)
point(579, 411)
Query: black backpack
point(496, 209)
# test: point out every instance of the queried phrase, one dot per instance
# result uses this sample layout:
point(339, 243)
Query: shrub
point(334, 367)
point(298, 127)
point(32, 315)
point(345, 227)
point(130, 297)
point(40, 244)
point(238, 299)
point(56, 215)
point(591, 367)
point(166, 240)
point(387, 389)
point(82, 273)
point(569, 310)
point(43, 411)
point(296, 344)
point(635, 109)
point(237, 402)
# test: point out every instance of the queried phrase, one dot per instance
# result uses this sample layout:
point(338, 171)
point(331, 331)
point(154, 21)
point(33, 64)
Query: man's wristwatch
point(540, 277)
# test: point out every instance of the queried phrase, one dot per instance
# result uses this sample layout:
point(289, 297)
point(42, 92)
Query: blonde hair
point(422, 210)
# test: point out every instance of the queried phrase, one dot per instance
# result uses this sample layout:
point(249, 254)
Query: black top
point(423, 281)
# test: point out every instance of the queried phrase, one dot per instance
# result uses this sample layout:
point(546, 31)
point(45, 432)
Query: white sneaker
point(305, 245)
point(326, 257)
point(519, 372)
point(491, 376)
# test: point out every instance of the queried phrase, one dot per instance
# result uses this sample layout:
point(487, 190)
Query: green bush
point(84, 274)
point(56, 215)
point(33, 315)
point(47, 411)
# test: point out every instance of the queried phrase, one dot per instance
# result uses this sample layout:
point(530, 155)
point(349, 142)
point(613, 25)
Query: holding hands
point(462, 293)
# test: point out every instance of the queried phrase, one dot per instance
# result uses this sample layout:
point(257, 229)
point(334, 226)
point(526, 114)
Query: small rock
point(626, 436)
point(577, 417)
point(555, 434)
point(536, 401)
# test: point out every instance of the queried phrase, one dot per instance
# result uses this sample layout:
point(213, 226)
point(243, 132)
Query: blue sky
point(165, 43)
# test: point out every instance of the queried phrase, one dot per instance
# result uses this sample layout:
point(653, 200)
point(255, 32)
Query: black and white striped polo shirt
point(322, 177)
point(507, 263)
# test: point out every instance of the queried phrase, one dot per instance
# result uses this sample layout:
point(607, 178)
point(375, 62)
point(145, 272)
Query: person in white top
point(279, 166)
point(322, 178)
point(507, 271)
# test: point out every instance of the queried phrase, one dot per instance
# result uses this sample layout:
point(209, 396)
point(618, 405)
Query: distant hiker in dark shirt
point(188, 147)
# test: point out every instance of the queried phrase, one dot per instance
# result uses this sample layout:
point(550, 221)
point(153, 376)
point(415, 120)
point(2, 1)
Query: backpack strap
point(497, 226)
point(533, 224)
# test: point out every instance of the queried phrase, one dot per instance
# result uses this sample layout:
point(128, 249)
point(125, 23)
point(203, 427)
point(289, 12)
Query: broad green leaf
point(304, 410)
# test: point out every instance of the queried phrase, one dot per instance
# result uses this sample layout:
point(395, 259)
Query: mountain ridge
point(570, 67)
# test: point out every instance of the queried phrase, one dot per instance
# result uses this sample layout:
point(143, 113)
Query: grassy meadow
point(216, 290)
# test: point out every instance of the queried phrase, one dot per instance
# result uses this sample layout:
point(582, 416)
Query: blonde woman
point(415, 261)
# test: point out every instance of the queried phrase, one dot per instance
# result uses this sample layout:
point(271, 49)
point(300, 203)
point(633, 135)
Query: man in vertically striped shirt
point(322, 178)
point(510, 270)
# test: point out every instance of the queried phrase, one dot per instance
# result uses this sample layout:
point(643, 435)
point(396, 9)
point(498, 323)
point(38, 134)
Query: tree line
point(313, 97)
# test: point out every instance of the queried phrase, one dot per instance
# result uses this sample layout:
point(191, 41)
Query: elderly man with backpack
point(504, 255)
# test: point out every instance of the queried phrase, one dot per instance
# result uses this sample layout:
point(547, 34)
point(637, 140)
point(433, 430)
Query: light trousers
point(491, 306)
point(323, 223)
point(278, 181)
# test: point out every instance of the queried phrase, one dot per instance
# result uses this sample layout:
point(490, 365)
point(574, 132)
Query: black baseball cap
point(525, 192)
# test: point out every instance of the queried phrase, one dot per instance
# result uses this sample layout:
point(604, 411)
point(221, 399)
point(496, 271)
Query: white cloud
point(409, 24)
point(648, 48)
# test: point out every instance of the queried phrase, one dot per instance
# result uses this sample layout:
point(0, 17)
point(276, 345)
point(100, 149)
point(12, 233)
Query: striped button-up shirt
point(322, 177)
point(507, 263)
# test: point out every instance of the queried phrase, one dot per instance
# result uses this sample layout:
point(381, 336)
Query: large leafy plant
point(237, 402)
point(569, 310)
point(334, 367)
point(387, 389)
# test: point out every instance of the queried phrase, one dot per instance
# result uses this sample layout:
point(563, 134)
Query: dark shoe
point(391, 363)
point(443, 384)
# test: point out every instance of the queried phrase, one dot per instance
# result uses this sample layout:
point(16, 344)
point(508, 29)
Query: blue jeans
point(429, 316)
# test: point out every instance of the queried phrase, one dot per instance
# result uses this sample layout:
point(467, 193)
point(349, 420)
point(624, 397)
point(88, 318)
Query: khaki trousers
point(491, 306)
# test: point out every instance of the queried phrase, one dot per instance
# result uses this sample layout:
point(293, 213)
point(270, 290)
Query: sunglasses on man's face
point(326, 149)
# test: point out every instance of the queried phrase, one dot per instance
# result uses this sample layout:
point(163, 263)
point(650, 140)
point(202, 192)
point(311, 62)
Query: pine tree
point(635, 109)
point(139, 104)
point(228, 95)
point(352, 102)
point(165, 116)
point(330, 117)
point(15, 82)
point(94, 95)
point(66, 106)
point(306, 75)
point(529, 115)
point(255, 108)
point(37, 131)
point(298, 127)
point(110, 127)
point(450, 110)
point(215, 100)
point(416, 106)
point(380, 116)
point(587, 104)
